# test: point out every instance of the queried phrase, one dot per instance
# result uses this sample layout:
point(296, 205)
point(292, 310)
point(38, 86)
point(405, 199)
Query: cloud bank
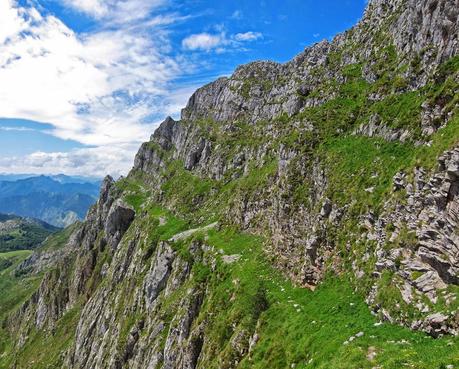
point(95, 88)
point(102, 88)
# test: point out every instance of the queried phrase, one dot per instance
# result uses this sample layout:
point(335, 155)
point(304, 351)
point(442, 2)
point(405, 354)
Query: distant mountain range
point(58, 177)
point(18, 233)
point(59, 200)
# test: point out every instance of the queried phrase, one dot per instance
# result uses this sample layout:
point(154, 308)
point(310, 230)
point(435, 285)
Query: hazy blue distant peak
point(14, 177)
point(61, 178)
point(59, 200)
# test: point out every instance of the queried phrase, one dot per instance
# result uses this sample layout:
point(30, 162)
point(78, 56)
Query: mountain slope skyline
point(158, 55)
point(60, 177)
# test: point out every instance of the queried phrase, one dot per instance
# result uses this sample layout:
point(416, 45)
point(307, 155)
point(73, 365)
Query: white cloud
point(122, 11)
point(206, 41)
point(95, 8)
point(103, 89)
point(17, 129)
point(248, 36)
point(237, 14)
point(96, 161)
point(11, 20)
point(203, 41)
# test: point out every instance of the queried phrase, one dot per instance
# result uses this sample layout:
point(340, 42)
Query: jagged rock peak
point(263, 90)
point(107, 183)
point(165, 133)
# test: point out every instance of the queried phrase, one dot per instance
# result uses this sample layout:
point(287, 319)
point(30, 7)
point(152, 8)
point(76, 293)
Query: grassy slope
point(25, 236)
point(303, 328)
point(308, 329)
point(13, 290)
point(296, 326)
point(42, 350)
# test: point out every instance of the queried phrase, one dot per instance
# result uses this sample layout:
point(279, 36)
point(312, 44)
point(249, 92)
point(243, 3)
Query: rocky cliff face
point(340, 164)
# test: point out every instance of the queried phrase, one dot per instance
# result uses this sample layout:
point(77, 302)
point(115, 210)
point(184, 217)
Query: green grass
point(296, 326)
point(445, 139)
point(59, 239)
point(183, 188)
point(304, 328)
point(43, 349)
point(364, 167)
point(14, 290)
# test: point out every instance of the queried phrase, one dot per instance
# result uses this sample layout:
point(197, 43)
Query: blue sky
point(84, 82)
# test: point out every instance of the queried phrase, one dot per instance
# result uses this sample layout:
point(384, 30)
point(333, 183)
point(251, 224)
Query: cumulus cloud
point(95, 88)
point(11, 20)
point(237, 14)
point(248, 36)
point(99, 89)
point(202, 41)
point(95, 8)
point(94, 161)
point(207, 41)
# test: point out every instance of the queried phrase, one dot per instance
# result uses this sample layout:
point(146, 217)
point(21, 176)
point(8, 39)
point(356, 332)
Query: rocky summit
point(298, 215)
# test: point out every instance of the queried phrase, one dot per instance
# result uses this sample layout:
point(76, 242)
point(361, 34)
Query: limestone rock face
point(262, 90)
point(429, 258)
point(425, 23)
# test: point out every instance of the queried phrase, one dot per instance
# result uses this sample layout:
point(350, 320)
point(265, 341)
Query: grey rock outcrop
point(425, 224)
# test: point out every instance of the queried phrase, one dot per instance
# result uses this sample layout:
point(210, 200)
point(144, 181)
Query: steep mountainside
point(299, 215)
point(18, 233)
point(58, 200)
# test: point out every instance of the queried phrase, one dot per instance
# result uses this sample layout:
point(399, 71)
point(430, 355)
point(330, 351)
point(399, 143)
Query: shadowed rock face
point(121, 268)
point(119, 219)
